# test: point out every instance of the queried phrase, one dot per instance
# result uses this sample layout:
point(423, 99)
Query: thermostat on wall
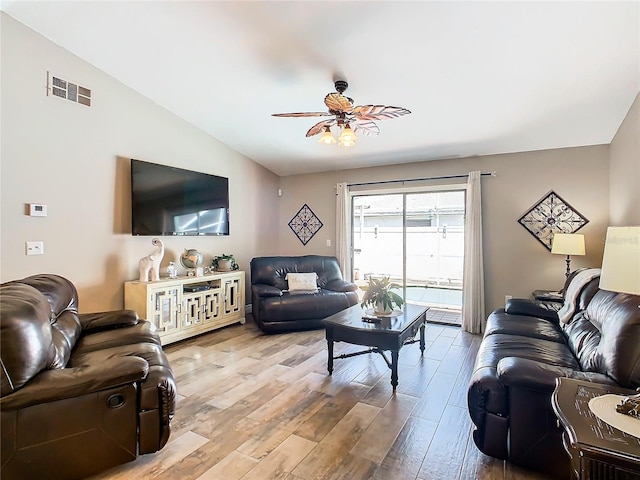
point(37, 210)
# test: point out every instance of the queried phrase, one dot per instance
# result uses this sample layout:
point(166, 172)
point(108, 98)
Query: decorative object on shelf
point(568, 244)
point(224, 263)
point(630, 406)
point(617, 411)
point(378, 293)
point(172, 271)
point(620, 272)
point(551, 215)
point(149, 266)
point(305, 224)
point(191, 259)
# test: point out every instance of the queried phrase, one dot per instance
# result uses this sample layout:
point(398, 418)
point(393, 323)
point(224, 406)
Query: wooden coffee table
point(391, 334)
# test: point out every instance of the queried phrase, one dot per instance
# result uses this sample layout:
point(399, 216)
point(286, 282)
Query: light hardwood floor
point(257, 407)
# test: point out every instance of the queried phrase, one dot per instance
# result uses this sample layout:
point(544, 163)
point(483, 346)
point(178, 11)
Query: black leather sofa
point(275, 309)
point(80, 393)
point(595, 336)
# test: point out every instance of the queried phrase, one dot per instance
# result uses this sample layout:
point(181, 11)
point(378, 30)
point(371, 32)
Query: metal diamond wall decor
point(305, 224)
point(551, 215)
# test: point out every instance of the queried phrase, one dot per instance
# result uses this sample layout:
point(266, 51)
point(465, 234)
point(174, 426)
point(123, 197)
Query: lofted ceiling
point(480, 77)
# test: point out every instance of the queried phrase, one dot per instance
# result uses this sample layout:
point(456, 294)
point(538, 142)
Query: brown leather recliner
point(80, 393)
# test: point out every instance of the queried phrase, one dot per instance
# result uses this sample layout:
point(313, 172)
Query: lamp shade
point(621, 261)
point(568, 244)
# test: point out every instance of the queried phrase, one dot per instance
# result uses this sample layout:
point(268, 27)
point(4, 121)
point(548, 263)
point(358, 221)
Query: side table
point(598, 451)
point(547, 296)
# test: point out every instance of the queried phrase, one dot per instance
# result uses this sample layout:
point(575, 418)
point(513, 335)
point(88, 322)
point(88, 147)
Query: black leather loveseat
point(79, 392)
point(275, 308)
point(595, 336)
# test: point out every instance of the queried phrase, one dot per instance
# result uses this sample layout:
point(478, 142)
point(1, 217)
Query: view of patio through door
point(418, 240)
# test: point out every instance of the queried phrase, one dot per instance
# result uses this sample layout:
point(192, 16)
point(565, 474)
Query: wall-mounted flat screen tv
point(172, 201)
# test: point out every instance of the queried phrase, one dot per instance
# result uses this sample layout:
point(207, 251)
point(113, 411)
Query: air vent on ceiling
point(65, 89)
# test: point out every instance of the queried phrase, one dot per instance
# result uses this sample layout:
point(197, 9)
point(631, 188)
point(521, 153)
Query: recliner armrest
point(58, 384)
point(107, 320)
point(263, 290)
point(341, 286)
point(538, 376)
point(530, 308)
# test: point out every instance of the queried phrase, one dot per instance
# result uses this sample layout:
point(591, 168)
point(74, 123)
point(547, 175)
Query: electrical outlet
point(328, 243)
point(34, 248)
point(507, 298)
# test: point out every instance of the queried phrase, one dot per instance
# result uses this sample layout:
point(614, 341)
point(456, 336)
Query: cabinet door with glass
point(164, 308)
point(211, 305)
point(233, 295)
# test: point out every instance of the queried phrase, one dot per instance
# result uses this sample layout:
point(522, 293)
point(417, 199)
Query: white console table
point(179, 313)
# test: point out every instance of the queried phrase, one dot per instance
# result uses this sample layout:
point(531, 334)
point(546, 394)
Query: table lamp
point(621, 261)
point(568, 244)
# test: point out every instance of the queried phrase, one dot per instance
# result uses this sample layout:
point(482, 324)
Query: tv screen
point(172, 201)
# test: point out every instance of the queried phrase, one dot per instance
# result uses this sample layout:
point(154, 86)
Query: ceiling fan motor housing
point(341, 86)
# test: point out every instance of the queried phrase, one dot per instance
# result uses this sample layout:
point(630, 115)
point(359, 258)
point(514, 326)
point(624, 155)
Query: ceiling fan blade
point(319, 127)
point(302, 114)
point(378, 112)
point(366, 128)
point(338, 103)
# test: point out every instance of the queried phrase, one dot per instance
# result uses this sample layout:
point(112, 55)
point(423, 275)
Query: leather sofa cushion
point(299, 305)
point(533, 327)
point(496, 347)
point(26, 342)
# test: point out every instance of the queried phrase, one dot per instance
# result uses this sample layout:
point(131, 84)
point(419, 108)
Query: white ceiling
point(479, 77)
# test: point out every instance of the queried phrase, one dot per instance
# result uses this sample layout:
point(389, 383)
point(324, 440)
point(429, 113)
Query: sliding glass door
point(416, 238)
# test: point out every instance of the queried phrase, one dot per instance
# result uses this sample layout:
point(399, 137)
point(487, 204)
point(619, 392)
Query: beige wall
point(75, 160)
point(515, 263)
point(624, 174)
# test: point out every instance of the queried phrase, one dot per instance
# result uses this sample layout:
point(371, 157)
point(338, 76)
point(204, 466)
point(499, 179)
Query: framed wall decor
point(305, 224)
point(550, 215)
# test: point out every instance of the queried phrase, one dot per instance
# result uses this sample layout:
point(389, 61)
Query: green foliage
point(224, 256)
point(379, 291)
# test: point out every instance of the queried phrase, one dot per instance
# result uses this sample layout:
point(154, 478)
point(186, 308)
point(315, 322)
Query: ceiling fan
point(347, 117)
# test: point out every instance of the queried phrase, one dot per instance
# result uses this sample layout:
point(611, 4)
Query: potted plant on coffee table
point(224, 263)
point(378, 294)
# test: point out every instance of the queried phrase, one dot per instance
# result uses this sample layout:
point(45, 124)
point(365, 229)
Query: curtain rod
point(484, 174)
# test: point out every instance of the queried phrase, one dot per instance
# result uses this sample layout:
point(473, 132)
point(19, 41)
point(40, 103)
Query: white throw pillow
point(302, 282)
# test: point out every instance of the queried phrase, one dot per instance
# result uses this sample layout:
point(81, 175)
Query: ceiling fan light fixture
point(327, 137)
point(347, 137)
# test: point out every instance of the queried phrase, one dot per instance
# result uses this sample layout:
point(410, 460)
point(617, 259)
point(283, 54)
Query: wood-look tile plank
point(223, 442)
point(405, 456)
point(478, 465)
point(250, 385)
point(334, 447)
point(331, 412)
point(281, 461)
point(151, 466)
point(383, 431)
point(354, 468)
point(232, 467)
point(433, 401)
point(439, 348)
point(415, 381)
point(444, 458)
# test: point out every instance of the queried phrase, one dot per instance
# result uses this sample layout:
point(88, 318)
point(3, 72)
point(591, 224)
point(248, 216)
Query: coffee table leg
point(330, 351)
point(394, 369)
point(422, 338)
